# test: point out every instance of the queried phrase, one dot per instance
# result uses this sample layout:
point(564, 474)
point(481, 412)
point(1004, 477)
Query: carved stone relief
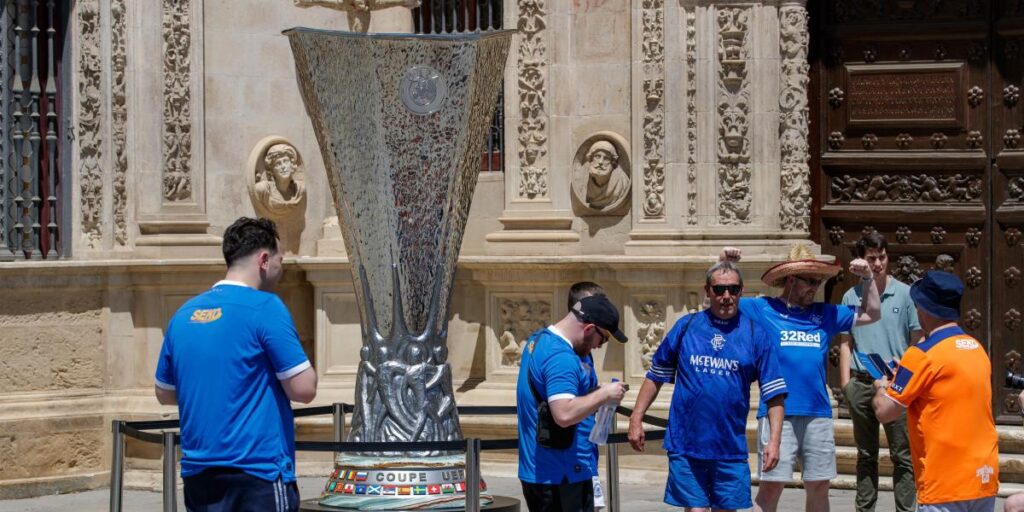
point(906, 188)
point(90, 145)
point(600, 178)
point(938, 234)
point(973, 277)
point(972, 320)
point(945, 263)
point(533, 124)
point(903, 234)
point(734, 169)
point(177, 112)
point(1011, 276)
point(520, 318)
point(908, 269)
point(836, 233)
point(277, 188)
point(119, 118)
point(794, 214)
point(1012, 319)
point(1015, 189)
point(973, 237)
point(652, 15)
point(650, 330)
point(1012, 236)
point(691, 114)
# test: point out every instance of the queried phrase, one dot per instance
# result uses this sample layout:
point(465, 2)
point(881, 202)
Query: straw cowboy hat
point(800, 262)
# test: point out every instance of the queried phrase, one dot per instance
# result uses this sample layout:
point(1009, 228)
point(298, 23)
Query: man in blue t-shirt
point(802, 329)
point(556, 466)
point(231, 360)
point(712, 357)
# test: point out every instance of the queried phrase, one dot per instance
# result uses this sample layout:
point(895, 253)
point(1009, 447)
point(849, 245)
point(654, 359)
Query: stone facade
point(704, 103)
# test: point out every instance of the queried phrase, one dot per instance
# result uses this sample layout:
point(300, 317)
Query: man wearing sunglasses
point(556, 467)
point(802, 328)
point(712, 357)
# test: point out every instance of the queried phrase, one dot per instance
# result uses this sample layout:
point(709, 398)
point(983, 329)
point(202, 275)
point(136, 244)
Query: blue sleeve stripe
point(773, 383)
point(661, 378)
point(774, 393)
point(772, 387)
point(662, 369)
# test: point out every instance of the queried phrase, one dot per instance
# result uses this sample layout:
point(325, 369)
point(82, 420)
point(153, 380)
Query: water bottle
point(603, 422)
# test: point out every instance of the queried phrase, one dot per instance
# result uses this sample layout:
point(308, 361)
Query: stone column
point(721, 95)
point(537, 216)
point(169, 128)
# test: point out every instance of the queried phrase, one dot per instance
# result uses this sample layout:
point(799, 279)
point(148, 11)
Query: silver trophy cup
point(401, 121)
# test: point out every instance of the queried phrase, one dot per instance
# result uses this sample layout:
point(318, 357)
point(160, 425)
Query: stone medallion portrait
point(277, 186)
point(601, 181)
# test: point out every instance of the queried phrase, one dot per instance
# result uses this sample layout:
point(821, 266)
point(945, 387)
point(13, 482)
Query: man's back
point(223, 354)
point(945, 382)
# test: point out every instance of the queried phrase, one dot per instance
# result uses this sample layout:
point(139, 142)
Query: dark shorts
point(576, 497)
point(233, 490)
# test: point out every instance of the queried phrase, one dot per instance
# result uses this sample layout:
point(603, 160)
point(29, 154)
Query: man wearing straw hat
point(944, 384)
point(802, 329)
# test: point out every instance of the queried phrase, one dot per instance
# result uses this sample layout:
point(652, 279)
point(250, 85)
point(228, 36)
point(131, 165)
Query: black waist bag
point(549, 434)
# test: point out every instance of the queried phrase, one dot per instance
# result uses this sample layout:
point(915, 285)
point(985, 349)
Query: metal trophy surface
point(401, 121)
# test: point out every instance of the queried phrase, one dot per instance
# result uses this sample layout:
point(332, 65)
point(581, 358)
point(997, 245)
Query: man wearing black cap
point(944, 384)
point(556, 406)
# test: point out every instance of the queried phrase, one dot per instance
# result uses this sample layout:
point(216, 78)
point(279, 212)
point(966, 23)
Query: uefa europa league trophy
point(401, 121)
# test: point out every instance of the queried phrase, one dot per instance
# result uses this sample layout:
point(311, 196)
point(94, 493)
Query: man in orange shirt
point(944, 383)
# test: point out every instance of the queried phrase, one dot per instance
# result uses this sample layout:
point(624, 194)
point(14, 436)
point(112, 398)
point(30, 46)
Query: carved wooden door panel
point(917, 135)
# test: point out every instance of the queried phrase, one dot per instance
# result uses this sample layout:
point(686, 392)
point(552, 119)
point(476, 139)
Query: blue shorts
point(722, 484)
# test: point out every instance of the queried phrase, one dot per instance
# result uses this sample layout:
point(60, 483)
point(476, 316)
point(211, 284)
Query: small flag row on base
point(399, 490)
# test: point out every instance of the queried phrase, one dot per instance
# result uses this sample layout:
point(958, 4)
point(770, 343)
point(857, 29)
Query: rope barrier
point(137, 430)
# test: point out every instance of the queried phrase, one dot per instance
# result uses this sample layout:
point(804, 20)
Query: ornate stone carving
point(795, 208)
point(974, 139)
point(1012, 360)
point(904, 52)
point(1012, 236)
point(973, 277)
point(977, 52)
point(972, 320)
point(533, 125)
point(1011, 403)
point(868, 230)
point(945, 263)
point(906, 188)
point(903, 234)
point(908, 269)
point(904, 140)
point(1011, 319)
point(650, 330)
point(277, 187)
point(1015, 189)
point(836, 233)
point(939, 140)
point(1011, 276)
point(835, 97)
point(833, 356)
point(359, 11)
point(1011, 95)
point(90, 145)
point(600, 178)
point(652, 15)
point(119, 118)
point(869, 140)
point(520, 318)
point(177, 112)
point(691, 114)
point(938, 234)
point(870, 54)
point(975, 95)
point(734, 170)
point(1011, 139)
point(973, 237)
point(835, 140)
point(940, 52)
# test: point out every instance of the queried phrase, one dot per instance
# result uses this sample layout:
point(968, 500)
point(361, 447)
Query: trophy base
point(497, 504)
point(398, 483)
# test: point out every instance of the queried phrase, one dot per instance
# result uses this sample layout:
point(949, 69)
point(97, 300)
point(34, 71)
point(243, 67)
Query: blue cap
point(938, 294)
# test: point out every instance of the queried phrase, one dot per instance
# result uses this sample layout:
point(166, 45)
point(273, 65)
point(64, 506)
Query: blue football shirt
point(802, 336)
point(223, 354)
point(712, 365)
point(557, 373)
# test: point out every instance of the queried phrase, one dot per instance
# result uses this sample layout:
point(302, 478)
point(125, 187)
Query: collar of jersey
point(555, 331)
point(939, 335)
point(228, 282)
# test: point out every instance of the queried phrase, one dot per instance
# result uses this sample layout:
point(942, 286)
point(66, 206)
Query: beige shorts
point(809, 439)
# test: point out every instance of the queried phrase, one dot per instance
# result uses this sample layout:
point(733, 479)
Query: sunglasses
point(604, 334)
point(810, 281)
point(720, 289)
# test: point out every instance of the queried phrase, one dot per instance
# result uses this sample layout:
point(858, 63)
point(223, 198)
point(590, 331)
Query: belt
point(860, 376)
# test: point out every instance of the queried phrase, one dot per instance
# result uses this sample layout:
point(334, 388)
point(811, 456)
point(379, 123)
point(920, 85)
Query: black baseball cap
point(598, 310)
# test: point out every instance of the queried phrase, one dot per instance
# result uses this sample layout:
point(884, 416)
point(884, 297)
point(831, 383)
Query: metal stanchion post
point(612, 496)
point(117, 467)
point(472, 475)
point(170, 477)
point(339, 422)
